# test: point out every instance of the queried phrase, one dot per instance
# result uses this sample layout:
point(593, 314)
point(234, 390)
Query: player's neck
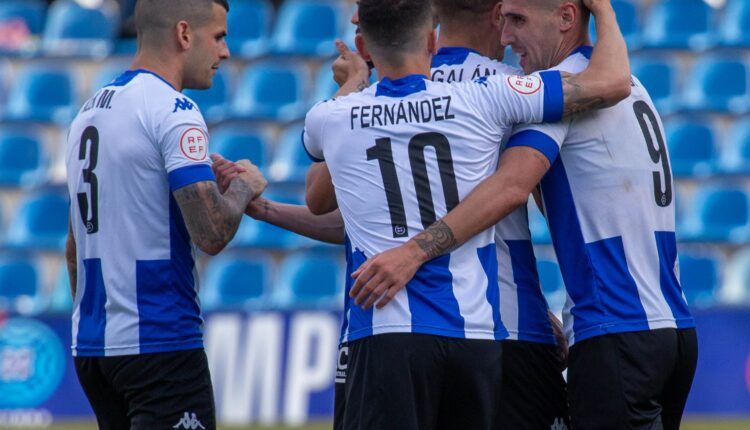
point(568, 46)
point(157, 64)
point(412, 66)
point(473, 39)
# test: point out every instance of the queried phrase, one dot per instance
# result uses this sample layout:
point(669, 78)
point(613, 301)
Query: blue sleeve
point(189, 175)
point(553, 95)
point(537, 140)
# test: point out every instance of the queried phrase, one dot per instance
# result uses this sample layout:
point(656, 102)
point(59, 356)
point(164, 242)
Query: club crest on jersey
point(526, 85)
point(182, 104)
point(194, 144)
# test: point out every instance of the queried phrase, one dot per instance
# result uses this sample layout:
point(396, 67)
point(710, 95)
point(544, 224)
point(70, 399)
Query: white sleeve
point(546, 138)
point(312, 135)
point(506, 100)
point(182, 138)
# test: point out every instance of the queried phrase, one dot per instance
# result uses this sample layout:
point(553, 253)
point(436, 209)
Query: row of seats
point(269, 90)
point(229, 282)
point(718, 214)
point(68, 28)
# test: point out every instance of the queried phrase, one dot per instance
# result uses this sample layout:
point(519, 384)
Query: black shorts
point(406, 381)
point(534, 392)
point(339, 388)
point(170, 390)
point(633, 381)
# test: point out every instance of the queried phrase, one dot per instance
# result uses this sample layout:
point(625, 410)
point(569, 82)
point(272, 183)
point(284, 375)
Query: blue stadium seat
point(291, 162)
point(41, 222)
point(249, 28)
point(552, 283)
point(719, 214)
point(20, 288)
point(659, 77)
point(214, 101)
point(60, 299)
point(271, 91)
point(678, 24)
point(736, 157)
point(73, 29)
point(325, 86)
point(31, 12)
point(237, 143)
point(538, 225)
point(257, 234)
point(718, 84)
point(311, 280)
point(699, 278)
point(627, 18)
point(692, 148)
point(21, 158)
point(308, 27)
point(733, 29)
point(237, 282)
point(106, 74)
point(735, 290)
point(42, 94)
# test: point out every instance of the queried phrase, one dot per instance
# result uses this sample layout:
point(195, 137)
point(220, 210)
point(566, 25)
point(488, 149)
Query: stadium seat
point(249, 28)
point(20, 286)
point(659, 77)
point(75, 30)
point(291, 162)
point(692, 150)
point(21, 158)
point(678, 24)
point(271, 91)
point(308, 27)
point(627, 18)
point(30, 12)
point(42, 94)
point(237, 143)
point(736, 157)
point(106, 74)
point(735, 290)
point(719, 214)
point(311, 280)
point(214, 101)
point(552, 283)
point(699, 278)
point(325, 86)
point(237, 282)
point(733, 29)
point(257, 234)
point(718, 84)
point(538, 225)
point(41, 222)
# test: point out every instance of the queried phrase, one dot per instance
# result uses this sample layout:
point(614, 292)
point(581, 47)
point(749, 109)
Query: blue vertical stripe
point(93, 316)
point(670, 286)
point(533, 321)
point(554, 99)
point(434, 308)
point(488, 259)
point(348, 283)
point(360, 320)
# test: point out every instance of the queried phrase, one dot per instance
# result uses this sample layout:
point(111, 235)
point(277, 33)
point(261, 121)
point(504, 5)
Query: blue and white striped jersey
point(522, 303)
point(130, 146)
point(609, 202)
point(403, 153)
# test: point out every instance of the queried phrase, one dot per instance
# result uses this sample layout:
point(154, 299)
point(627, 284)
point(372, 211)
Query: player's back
point(610, 206)
point(130, 144)
point(402, 154)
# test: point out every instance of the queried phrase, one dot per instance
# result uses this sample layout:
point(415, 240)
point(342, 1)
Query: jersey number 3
point(90, 142)
point(383, 153)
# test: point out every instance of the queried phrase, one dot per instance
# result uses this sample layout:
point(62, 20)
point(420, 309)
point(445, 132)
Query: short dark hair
point(463, 8)
point(155, 16)
point(394, 25)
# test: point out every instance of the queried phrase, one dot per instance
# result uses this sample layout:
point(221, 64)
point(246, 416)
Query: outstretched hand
point(349, 65)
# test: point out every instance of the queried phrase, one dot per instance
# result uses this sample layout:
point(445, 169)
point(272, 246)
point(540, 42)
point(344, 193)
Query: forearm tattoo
point(436, 240)
point(576, 99)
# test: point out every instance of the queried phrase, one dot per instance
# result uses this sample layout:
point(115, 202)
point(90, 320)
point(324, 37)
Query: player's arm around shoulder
point(607, 80)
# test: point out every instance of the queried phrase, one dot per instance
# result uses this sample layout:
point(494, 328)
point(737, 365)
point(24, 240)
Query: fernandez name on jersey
point(437, 109)
point(394, 179)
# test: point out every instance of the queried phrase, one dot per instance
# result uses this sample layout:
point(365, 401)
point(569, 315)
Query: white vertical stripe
point(394, 318)
point(470, 285)
point(508, 289)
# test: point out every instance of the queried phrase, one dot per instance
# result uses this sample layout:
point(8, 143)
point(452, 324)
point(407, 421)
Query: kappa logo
point(182, 104)
point(189, 421)
point(559, 424)
point(482, 81)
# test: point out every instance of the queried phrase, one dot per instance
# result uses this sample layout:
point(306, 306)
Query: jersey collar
point(584, 50)
point(128, 76)
point(451, 55)
point(401, 87)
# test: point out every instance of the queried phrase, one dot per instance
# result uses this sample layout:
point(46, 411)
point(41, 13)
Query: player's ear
point(568, 16)
point(359, 42)
point(184, 35)
point(496, 17)
point(432, 42)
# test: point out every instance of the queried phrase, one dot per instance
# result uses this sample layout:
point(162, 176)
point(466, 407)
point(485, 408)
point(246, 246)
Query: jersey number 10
point(383, 153)
point(90, 135)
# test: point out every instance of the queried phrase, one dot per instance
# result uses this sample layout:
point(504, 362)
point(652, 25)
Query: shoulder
point(575, 63)
point(498, 66)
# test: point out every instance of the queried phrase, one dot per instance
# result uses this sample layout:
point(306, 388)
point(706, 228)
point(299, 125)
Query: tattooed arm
point(606, 81)
point(212, 218)
point(299, 219)
point(71, 259)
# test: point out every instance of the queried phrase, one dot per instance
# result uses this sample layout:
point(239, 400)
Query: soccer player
point(608, 195)
point(142, 197)
point(402, 153)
